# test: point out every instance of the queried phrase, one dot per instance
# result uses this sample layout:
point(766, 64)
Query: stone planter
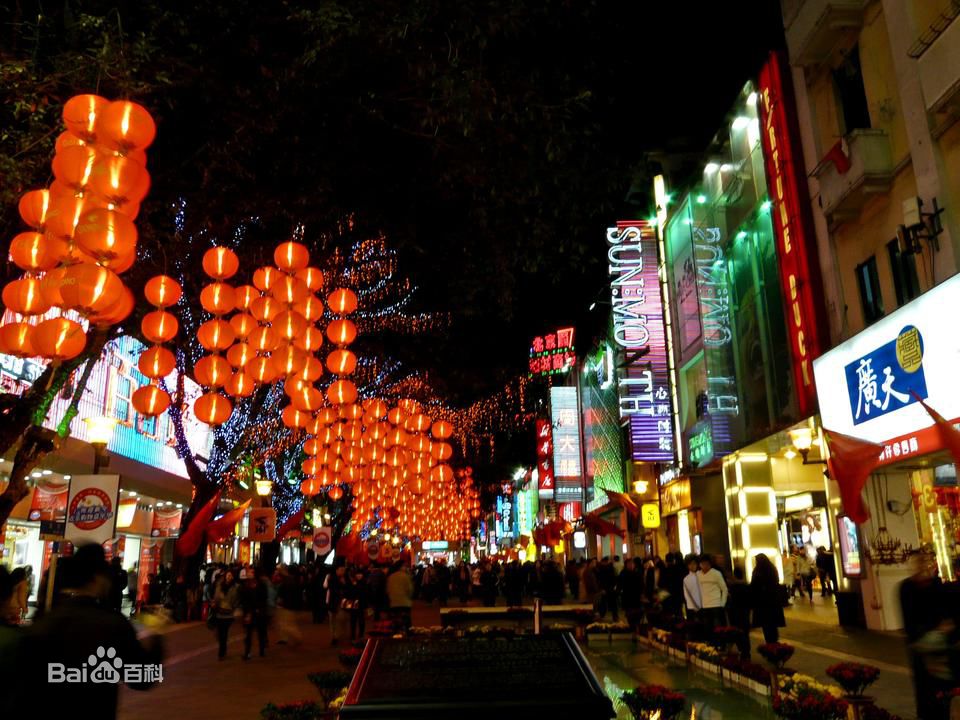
point(858, 704)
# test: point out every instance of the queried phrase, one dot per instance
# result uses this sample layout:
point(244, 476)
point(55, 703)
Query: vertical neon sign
point(799, 268)
point(638, 328)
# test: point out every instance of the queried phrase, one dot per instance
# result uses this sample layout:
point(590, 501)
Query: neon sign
point(638, 328)
point(566, 432)
point(545, 483)
point(799, 271)
point(552, 354)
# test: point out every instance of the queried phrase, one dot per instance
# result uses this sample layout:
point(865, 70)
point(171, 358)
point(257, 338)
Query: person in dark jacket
point(253, 604)
point(513, 583)
point(82, 632)
point(766, 598)
point(672, 582)
point(357, 597)
point(552, 584)
point(921, 602)
point(377, 590)
point(607, 580)
point(488, 585)
point(630, 586)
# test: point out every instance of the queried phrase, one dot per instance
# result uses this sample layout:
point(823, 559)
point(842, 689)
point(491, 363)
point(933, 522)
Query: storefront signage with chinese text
point(675, 496)
point(552, 354)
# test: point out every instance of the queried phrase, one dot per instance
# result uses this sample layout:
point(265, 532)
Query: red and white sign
point(262, 524)
point(321, 540)
point(796, 249)
point(166, 522)
point(92, 508)
point(545, 472)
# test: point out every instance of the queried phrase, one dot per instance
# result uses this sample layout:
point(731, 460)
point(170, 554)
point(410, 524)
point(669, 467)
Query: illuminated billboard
point(552, 354)
point(638, 330)
point(109, 392)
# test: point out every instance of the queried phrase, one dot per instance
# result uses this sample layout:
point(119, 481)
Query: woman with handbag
point(225, 605)
point(334, 585)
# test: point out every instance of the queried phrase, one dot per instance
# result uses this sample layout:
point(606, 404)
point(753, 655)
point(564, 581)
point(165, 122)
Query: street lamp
point(263, 487)
point(99, 433)
point(802, 439)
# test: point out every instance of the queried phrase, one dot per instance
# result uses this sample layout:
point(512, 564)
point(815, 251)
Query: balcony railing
point(870, 171)
point(815, 27)
point(939, 68)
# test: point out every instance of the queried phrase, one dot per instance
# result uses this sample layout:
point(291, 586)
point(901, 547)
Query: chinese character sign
point(545, 472)
point(566, 432)
point(888, 378)
point(639, 331)
point(552, 354)
point(869, 386)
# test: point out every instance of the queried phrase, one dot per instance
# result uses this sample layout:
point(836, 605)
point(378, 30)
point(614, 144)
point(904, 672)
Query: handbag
point(212, 621)
point(349, 604)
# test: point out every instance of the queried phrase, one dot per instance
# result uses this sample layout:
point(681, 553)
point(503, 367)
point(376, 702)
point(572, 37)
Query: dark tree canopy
point(490, 141)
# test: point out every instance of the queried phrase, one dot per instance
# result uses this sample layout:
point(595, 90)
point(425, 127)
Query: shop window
point(851, 95)
point(147, 425)
point(868, 282)
point(904, 268)
point(122, 394)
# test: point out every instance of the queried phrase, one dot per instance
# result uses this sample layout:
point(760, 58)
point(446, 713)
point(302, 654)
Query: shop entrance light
point(640, 486)
point(263, 487)
point(802, 439)
point(99, 433)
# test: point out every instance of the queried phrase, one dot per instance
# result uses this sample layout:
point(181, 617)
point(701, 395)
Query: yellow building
point(877, 85)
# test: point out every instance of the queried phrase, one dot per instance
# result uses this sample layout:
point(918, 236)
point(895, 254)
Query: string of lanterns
point(82, 233)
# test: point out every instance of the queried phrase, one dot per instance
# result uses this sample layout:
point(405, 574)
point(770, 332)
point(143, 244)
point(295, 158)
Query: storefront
point(869, 388)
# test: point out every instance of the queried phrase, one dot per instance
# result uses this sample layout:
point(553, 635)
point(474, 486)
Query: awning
point(624, 501)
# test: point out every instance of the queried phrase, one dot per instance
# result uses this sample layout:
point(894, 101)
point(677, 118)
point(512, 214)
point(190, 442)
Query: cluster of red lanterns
point(82, 233)
point(159, 326)
point(396, 461)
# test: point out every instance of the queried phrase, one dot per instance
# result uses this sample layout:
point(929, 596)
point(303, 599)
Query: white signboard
point(92, 508)
point(868, 386)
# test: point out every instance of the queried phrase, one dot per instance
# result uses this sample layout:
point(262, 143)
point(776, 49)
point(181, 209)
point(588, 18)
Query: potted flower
point(810, 707)
point(330, 684)
point(777, 654)
point(303, 710)
point(853, 677)
point(653, 701)
point(723, 636)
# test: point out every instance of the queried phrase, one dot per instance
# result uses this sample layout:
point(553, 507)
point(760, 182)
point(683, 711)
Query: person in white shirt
point(691, 588)
point(713, 593)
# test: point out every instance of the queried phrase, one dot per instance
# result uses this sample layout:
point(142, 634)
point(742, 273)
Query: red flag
point(221, 528)
point(291, 523)
point(949, 435)
point(189, 542)
point(851, 461)
point(624, 501)
point(601, 526)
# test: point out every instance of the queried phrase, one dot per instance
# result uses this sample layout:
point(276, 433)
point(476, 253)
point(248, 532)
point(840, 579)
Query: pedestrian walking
point(739, 605)
point(805, 573)
point(572, 576)
point(253, 603)
point(692, 599)
point(630, 588)
point(356, 600)
point(789, 562)
point(607, 580)
point(713, 594)
point(225, 605)
point(334, 585)
point(400, 594)
point(767, 597)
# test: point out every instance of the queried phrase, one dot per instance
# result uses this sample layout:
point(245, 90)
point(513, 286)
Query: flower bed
point(653, 701)
point(811, 707)
point(330, 684)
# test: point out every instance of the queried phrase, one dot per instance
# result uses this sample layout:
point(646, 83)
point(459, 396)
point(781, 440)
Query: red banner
point(545, 457)
point(796, 241)
point(49, 506)
point(166, 522)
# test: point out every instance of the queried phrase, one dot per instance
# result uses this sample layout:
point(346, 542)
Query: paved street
point(197, 685)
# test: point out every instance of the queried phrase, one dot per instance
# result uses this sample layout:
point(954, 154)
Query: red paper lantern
point(289, 290)
point(240, 385)
point(212, 371)
point(240, 354)
point(243, 324)
point(119, 180)
point(150, 400)
point(124, 126)
point(335, 493)
point(342, 301)
point(288, 324)
point(90, 288)
point(310, 486)
point(156, 362)
point(74, 165)
point(312, 277)
point(293, 418)
point(106, 235)
point(80, 115)
point(217, 298)
point(24, 297)
point(59, 339)
point(261, 370)
point(162, 291)
point(341, 362)
point(341, 392)
point(17, 339)
point(291, 256)
point(34, 251)
point(33, 208)
point(244, 296)
point(159, 326)
point(341, 332)
point(310, 340)
point(220, 263)
point(265, 277)
point(263, 339)
point(216, 335)
point(212, 408)
point(265, 309)
point(441, 430)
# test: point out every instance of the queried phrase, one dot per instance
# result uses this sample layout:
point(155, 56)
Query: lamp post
point(99, 433)
point(802, 439)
